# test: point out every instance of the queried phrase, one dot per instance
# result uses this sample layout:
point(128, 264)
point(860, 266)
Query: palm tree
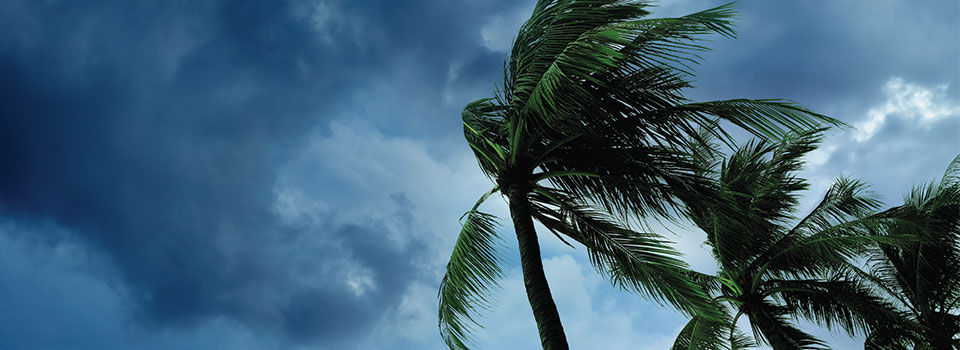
point(591, 129)
point(922, 278)
point(774, 267)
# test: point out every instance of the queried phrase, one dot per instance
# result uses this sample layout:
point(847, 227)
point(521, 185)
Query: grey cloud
point(824, 54)
point(153, 131)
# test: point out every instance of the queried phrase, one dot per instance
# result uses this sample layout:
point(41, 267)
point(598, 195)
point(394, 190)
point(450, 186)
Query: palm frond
point(886, 339)
point(760, 190)
point(930, 270)
point(838, 302)
point(951, 176)
point(483, 130)
point(846, 199)
point(471, 272)
point(923, 277)
point(740, 341)
point(770, 325)
point(702, 333)
point(642, 262)
point(712, 334)
point(760, 117)
point(830, 249)
point(710, 283)
point(568, 41)
point(630, 180)
point(594, 64)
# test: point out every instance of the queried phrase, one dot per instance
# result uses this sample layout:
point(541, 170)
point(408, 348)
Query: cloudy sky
point(288, 174)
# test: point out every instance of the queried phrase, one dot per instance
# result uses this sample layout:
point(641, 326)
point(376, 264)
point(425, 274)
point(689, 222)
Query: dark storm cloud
point(153, 130)
point(331, 313)
point(827, 53)
point(324, 287)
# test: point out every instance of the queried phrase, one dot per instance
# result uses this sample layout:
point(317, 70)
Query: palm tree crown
point(591, 128)
point(774, 267)
point(922, 278)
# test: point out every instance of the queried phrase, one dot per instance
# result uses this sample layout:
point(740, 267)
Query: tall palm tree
point(773, 266)
point(923, 278)
point(590, 129)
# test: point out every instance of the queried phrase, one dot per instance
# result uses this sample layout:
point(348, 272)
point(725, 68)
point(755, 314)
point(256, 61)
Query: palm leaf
point(923, 277)
point(630, 180)
point(597, 65)
point(760, 117)
point(846, 200)
point(838, 302)
point(642, 262)
point(770, 324)
point(471, 272)
point(703, 333)
point(482, 128)
point(758, 182)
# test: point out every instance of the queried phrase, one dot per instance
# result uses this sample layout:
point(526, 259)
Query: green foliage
point(712, 334)
point(642, 262)
point(591, 129)
point(923, 277)
point(473, 269)
point(775, 266)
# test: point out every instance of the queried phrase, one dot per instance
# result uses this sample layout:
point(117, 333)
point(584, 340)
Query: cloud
point(331, 25)
point(376, 174)
point(154, 133)
point(911, 102)
point(60, 293)
point(501, 29)
point(831, 56)
point(907, 137)
point(314, 284)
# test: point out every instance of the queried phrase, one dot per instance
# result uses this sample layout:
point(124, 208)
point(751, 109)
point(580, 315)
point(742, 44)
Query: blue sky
point(289, 174)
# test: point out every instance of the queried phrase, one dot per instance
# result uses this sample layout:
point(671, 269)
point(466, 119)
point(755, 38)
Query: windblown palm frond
point(579, 64)
point(758, 180)
point(712, 334)
point(473, 269)
point(639, 261)
point(626, 180)
point(770, 325)
point(923, 277)
point(839, 302)
point(482, 128)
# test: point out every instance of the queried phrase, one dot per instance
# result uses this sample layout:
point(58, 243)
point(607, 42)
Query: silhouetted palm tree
point(774, 267)
point(591, 128)
point(922, 278)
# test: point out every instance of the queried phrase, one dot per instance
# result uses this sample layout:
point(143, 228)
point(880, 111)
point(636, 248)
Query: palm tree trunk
point(538, 291)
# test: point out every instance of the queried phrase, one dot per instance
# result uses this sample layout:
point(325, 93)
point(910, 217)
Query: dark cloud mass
point(815, 52)
point(152, 130)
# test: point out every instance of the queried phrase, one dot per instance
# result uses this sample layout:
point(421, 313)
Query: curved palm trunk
point(538, 291)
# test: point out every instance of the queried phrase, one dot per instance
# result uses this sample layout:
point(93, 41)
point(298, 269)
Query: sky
point(288, 174)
